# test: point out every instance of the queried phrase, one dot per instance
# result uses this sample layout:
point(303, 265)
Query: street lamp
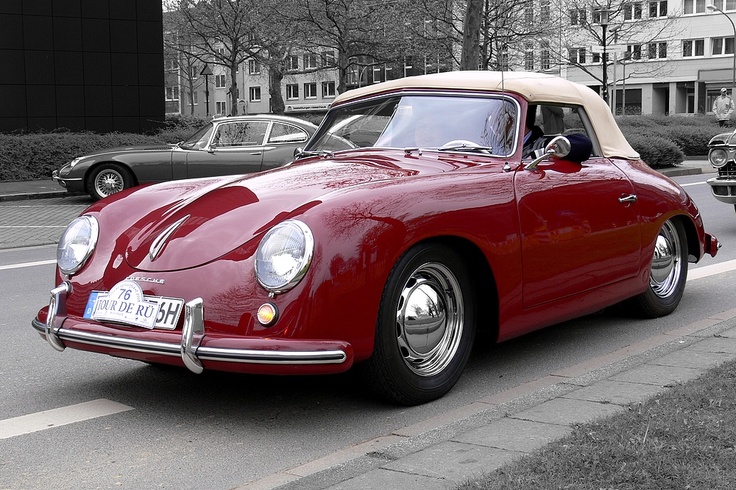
point(207, 71)
point(733, 74)
point(603, 20)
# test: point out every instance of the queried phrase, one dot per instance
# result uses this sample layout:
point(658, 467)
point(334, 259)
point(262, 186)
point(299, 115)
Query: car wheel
point(668, 272)
point(107, 179)
point(425, 329)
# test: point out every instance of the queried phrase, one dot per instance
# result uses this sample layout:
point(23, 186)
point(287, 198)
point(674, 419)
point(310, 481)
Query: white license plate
point(125, 303)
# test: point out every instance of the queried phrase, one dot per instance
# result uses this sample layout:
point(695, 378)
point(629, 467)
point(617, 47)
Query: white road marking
point(26, 264)
point(711, 270)
point(692, 183)
point(26, 424)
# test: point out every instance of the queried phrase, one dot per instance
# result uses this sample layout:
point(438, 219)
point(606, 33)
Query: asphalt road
point(121, 423)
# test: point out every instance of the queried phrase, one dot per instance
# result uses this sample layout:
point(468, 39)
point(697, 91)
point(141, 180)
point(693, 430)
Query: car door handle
point(630, 199)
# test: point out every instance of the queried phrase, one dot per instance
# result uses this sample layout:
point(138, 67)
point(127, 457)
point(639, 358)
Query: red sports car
point(416, 216)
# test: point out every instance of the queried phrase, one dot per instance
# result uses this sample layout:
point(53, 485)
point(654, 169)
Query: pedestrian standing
point(723, 107)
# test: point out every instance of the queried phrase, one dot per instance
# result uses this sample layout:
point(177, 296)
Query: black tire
point(668, 273)
point(107, 179)
point(412, 367)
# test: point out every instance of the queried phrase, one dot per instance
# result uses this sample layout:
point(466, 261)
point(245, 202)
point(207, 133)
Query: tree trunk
point(234, 92)
point(471, 35)
point(275, 77)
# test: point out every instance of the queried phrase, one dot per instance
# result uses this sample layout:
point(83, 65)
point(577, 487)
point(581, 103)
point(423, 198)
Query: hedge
point(661, 140)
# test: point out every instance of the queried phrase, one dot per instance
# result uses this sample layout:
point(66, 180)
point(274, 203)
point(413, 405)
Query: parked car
point(409, 223)
point(227, 145)
point(722, 156)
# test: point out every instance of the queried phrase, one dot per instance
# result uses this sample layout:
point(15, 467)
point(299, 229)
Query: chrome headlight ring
point(719, 157)
point(284, 255)
point(77, 244)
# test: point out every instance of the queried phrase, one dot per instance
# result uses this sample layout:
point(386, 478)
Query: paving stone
point(616, 392)
point(454, 461)
point(514, 434)
point(693, 358)
point(722, 343)
point(658, 375)
point(566, 411)
point(387, 479)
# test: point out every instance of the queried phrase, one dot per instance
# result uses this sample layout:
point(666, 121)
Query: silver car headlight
point(284, 255)
point(718, 157)
point(77, 244)
point(75, 161)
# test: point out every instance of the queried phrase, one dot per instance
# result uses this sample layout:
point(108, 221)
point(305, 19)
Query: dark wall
point(81, 64)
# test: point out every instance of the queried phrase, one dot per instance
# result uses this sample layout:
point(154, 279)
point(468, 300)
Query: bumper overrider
point(192, 346)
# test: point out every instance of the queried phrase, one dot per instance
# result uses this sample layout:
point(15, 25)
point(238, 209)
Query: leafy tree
point(219, 32)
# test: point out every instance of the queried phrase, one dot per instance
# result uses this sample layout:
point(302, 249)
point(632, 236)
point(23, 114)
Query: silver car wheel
point(108, 182)
point(666, 264)
point(430, 319)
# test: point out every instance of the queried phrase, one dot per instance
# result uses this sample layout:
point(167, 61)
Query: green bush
point(656, 151)
point(35, 156)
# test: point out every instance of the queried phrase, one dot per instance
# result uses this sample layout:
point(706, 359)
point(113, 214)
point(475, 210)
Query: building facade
point(661, 57)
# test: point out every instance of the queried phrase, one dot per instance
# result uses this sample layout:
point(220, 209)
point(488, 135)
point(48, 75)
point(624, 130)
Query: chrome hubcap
point(666, 265)
point(108, 182)
point(429, 319)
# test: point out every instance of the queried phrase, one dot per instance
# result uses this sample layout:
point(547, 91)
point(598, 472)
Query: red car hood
point(211, 220)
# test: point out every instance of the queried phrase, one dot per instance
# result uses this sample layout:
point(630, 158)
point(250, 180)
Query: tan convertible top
point(534, 87)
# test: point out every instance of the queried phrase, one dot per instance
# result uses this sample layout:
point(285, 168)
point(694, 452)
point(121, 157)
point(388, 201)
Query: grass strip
point(683, 438)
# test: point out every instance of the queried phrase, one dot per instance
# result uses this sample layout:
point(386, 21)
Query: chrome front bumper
point(190, 348)
point(723, 189)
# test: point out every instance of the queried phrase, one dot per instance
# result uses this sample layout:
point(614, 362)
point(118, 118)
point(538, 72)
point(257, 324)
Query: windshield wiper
point(465, 146)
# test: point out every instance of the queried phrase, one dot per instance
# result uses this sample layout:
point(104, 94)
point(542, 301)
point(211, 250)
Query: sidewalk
point(39, 189)
point(441, 453)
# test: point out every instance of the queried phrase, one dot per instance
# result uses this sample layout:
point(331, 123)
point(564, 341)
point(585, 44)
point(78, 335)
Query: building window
point(577, 17)
point(254, 93)
point(544, 59)
point(219, 81)
point(328, 58)
point(292, 63)
point(328, 90)
point(220, 108)
point(254, 67)
point(529, 57)
point(292, 91)
point(633, 52)
point(657, 51)
point(528, 12)
point(544, 10)
point(693, 47)
point(310, 90)
point(658, 9)
point(632, 11)
point(577, 55)
point(722, 45)
point(724, 4)
point(310, 61)
point(693, 6)
point(172, 64)
point(172, 93)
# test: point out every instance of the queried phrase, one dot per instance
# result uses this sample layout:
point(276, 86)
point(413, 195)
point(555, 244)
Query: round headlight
point(718, 157)
point(76, 244)
point(284, 255)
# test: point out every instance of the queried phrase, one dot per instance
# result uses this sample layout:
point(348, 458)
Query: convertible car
point(227, 145)
point(409, 223)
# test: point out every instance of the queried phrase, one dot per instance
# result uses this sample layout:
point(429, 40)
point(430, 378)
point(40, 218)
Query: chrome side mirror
point(558, 147)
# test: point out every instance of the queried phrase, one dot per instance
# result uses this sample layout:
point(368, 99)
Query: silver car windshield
point(423, 121)
point(198, 140)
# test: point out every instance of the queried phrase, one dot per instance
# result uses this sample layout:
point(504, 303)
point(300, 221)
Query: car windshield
point(198, 140)
point(422, 121)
